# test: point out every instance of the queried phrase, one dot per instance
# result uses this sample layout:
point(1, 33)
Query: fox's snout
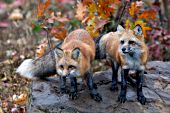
point(65, 73)
point(129, 46)
point(68, 72)
point(129, 50)
point(125, 50)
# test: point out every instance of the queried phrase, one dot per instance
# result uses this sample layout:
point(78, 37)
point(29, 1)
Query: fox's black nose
point(123, 50)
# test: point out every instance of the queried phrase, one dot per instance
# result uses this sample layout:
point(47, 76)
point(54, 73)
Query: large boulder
point(46, 98)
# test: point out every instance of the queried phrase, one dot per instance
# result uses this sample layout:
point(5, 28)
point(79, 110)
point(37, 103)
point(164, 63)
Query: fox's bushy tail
point(39, 68)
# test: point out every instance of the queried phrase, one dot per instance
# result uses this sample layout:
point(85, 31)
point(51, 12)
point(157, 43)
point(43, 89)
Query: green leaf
point(75, 22)
point(37, 27)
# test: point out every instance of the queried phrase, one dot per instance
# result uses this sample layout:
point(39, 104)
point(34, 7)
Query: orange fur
point(79, 39)
point(111, 41)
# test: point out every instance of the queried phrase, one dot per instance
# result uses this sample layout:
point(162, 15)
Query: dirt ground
point(15, 45)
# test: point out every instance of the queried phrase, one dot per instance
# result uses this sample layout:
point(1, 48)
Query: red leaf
point(4, 24)
point(58, 18)
point(66, 1)
point(2, 5)
point(62, 19)
point(59, 32)
point(100, 24)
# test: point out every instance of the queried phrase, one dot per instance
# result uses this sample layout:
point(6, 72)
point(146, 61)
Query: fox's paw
point(114, 88)
point(122, 98)
point(97, 97)
point(141, 99)
point(73, 95)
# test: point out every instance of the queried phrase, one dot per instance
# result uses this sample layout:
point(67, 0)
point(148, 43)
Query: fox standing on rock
point(123, 48)
point(72, 60)
point(126, 49)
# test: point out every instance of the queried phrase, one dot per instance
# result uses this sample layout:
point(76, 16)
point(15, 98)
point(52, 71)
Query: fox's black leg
point(115, 68)
point(122, 95)
point(73, 91)
point(63, 84)
point(131, 81)
point(93, 91)
point(139, 81)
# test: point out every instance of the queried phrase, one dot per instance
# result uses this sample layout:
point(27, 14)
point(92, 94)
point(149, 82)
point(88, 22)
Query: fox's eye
point(131, 42)
point(71, 67)
point(61, 66)
point(122, 41)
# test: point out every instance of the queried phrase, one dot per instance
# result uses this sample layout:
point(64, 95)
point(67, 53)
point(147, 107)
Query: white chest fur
point(133, 62)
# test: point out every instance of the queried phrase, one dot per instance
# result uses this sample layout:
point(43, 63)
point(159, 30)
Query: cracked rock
point(46, 98)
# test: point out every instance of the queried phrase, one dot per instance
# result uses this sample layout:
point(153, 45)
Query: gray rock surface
point(46, 98)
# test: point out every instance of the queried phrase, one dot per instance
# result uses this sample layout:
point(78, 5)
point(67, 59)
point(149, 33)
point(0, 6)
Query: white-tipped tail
point(26, 69)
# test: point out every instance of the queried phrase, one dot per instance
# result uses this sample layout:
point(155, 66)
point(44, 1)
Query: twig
point(157, 3)
point(50, 46)
point(117, 19)
point(51, 50)
point(120, 17)
point(49, 41)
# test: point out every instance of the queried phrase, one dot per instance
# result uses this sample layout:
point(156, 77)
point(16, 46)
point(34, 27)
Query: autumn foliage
point(47, 18)
point(101, 16)
point(94, 16)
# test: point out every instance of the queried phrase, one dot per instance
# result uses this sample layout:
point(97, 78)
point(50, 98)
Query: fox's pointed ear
point(58, 52)
point(120, 28)
point(75, 53)
point(138, 30)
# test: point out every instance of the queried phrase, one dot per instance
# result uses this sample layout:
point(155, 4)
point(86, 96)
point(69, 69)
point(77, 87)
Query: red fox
point(125, 49)
point(74, 60)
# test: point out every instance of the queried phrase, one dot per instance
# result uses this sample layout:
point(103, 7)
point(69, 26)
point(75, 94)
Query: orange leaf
point(80, 11)
point(41, 49)
point(50, 11)
point(47, 3)
point(106, 8)
point(92, 8)
point(21, 99)
point(42, 7)
point(40, 10)
point(133, 9)
point(149, 14)
point(92, 32)
point(87, 2)
point(59, 32)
